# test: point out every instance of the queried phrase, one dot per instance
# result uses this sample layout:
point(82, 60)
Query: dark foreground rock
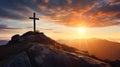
point(44, 52)
point(20, 60)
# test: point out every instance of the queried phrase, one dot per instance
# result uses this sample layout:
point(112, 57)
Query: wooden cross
point(34, 21)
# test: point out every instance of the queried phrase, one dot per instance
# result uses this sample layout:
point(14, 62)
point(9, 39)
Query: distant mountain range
point(100, 48)
point(3, 42)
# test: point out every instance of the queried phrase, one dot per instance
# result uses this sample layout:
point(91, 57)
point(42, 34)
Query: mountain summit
point(35, 49)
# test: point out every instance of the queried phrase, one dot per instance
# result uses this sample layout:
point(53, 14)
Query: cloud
point(8, 27)
point(57, 32)
point(114, 1)
point(16, 10)
point(105, 15)
point(89, 13)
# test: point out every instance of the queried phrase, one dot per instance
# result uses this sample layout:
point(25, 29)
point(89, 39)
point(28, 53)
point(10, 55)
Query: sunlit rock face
point(45, 56)
point(45, 52)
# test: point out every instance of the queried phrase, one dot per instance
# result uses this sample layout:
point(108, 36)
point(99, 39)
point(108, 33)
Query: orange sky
point(61, 19)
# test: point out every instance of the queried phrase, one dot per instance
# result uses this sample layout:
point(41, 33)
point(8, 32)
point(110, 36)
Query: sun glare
point(81, 30)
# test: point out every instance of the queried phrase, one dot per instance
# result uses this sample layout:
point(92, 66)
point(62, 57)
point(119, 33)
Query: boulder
point(16, 38)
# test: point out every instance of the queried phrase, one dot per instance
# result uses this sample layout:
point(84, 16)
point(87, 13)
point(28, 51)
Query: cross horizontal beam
point(33, 18)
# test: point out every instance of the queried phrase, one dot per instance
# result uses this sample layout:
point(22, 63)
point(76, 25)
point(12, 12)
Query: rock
point(44, 56)
point(46, 52)
point(37, 37)
point(16, 38)
point(20, 60)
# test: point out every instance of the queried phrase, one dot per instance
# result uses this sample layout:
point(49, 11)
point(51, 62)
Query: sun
point(81, 30)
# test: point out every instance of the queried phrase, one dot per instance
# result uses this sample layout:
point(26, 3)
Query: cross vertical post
point(34, 21)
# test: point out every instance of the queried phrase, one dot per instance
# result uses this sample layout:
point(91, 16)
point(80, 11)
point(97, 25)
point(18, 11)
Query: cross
point(34, 20)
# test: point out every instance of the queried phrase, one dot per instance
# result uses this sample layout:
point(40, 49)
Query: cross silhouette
point(34, 21)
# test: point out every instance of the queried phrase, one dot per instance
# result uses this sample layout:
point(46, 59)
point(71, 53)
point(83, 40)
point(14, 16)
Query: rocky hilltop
point(35, 49)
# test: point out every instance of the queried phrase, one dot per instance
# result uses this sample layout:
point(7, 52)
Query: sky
point(62, 19)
